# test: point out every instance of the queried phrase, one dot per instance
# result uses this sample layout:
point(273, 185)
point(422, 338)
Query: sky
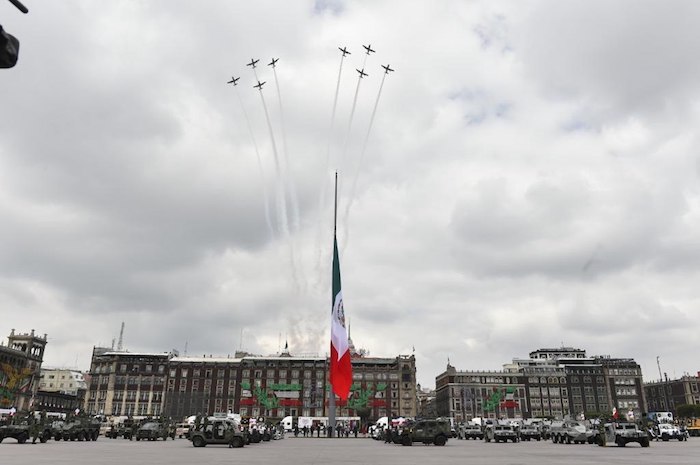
point(527, 177)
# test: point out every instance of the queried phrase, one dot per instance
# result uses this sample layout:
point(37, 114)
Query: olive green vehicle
point(78, 429)
point(429, 431)
point(22, 432)
point(152, 430)
point(621, 433)
point(218, 431)
point(498, 433)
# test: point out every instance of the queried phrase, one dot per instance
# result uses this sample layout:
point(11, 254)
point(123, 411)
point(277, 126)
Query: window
point(149, 368)
point(183, 372)
point(283, 374)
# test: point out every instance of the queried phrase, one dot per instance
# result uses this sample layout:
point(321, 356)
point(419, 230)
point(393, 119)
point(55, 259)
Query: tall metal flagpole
point(331, 398)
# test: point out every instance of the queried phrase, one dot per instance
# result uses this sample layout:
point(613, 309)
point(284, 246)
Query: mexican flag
point(340, 366)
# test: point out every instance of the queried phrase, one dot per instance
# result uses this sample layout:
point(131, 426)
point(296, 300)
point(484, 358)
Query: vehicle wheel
point(237, 442)
point(515, 440)
point(406, 441)
point(440, 440)
point(601, 441)
point(138, 438)
point(644, 442)
point(620, 442)
point(22, 438)
point(664, 437)
point(198, 441)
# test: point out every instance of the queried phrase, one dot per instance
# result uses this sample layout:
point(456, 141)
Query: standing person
point(355, 429)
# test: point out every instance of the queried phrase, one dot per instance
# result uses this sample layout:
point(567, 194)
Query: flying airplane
point(272, 63)
point(368, 49)
point(387, 69)
point(233, 80)
point(260, 84)
point(252, 63)
point(345, 52)
point(362, 73)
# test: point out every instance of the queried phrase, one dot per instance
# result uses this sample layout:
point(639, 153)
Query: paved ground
point(298, 451)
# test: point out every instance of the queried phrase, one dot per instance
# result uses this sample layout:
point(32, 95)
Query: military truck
point(152, 430)
point(428, 431)
point(498, 433)
point(218, 431)
point(22, 432)
point(470, 431)
point(568, 431)
point(621, 433)
point(78, 429)
point(530, 432)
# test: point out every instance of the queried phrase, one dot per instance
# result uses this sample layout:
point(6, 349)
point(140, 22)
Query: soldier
point(33, 426)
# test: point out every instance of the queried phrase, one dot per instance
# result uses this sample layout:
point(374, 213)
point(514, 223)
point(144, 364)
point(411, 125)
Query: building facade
point(124, 383)
point(556, 383)
point(20, 365)
point(667, 395)
point(61, 380)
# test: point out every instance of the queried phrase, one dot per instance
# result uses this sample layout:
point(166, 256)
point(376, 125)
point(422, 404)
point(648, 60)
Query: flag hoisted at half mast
point(340, 366)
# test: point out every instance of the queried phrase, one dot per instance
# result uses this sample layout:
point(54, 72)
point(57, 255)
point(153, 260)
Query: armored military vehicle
point(498, 433)
point(78, 429)
point(25, 427)
point(152, 430)
point(530, 432)
point(218, 431)
point(567, 432)
point(621, 433)
point(470, 431)
point(429, 431)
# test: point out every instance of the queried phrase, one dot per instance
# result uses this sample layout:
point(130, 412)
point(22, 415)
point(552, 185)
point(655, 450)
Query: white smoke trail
point(281, 200)
point(268, 219)
point(324, 182)
point(288, 180)
point(353, 188)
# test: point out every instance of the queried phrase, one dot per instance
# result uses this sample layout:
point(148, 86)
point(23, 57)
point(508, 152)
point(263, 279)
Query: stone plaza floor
point(307, 451)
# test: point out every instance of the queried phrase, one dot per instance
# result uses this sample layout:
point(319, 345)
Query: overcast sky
point(529, 178)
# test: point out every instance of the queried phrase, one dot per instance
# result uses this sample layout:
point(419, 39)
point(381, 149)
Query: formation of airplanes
point(344, 50)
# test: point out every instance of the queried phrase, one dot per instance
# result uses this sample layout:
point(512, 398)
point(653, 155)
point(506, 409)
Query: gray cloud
point(531, 179)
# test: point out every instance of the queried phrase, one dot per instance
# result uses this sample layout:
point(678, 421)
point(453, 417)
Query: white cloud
point(530, 178)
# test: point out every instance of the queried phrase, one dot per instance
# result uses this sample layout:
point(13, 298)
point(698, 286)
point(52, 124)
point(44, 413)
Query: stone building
point(20, 365)
point(552, 382)
point(124, 383)
point(666, 395)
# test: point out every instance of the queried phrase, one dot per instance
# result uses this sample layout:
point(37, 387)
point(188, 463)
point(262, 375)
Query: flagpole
point(331, 398)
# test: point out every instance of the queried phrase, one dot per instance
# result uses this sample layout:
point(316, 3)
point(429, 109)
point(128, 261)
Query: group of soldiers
point(340, 430)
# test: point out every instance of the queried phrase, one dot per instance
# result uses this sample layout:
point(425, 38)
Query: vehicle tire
point(601, 441)
point(644, 442)
point(406, 441)
point(138, 438)
point(620, 442)
point(198, 441)
point(237, 442)
point(1, 438)
point(22, 438)
point(515, 440)
point(664, 437)
point(440, 440)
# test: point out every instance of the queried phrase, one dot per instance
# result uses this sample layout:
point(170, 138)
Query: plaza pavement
point(307, 451)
